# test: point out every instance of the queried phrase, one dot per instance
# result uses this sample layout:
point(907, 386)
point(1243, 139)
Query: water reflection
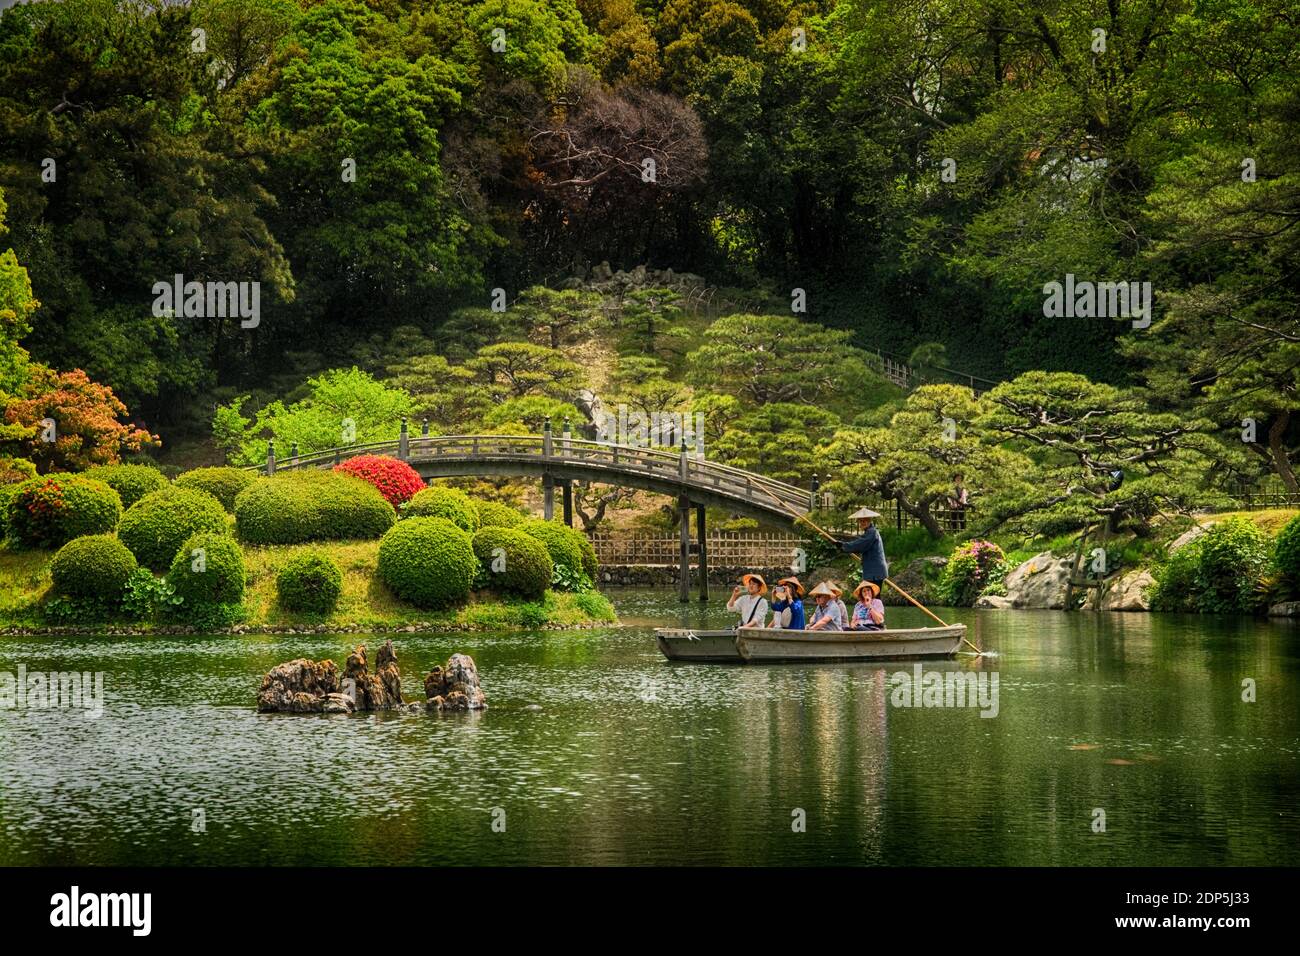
point(595, 749)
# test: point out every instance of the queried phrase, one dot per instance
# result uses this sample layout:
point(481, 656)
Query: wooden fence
point(752, 549)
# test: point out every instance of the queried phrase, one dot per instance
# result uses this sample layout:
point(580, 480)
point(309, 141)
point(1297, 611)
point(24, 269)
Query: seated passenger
point(787, 605)
point(749, 604)
point(827, 616)
point(869, 612)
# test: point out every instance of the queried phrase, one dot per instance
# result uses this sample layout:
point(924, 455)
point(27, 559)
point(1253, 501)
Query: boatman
point(868, 544)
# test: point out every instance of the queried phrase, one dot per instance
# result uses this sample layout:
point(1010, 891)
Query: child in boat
point(869, 612)
point(826, 616)
point(750, 603)
point(787, 605)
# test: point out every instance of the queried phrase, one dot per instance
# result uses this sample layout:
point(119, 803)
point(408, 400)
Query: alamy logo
point(209, 300)
point(656, 429)
point(1083, 299)
point(921, 688)
point(103, 909)
point(55, 690)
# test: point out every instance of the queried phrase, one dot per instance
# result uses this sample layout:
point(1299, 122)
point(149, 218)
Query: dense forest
point(864, 175)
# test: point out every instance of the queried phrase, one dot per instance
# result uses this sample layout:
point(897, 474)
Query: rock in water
point(303, 687)
point(1040, 582)
point(456, 686)
point(1129, 593)
point(381, 690)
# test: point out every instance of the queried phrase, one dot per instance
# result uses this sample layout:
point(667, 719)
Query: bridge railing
point(671, 466)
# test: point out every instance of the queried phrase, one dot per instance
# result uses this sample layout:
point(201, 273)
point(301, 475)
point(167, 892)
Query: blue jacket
point(796, 613)
point(872, 549)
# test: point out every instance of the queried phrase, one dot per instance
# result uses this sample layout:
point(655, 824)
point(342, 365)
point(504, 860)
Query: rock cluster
point(315, 687)
point(455, 686)
point(303, 687)
point(381, 690)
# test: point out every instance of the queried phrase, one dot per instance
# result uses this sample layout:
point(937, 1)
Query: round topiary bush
point(50, 511)
point(440, 502)
point(131, 482)
point(1287, 551)
point(427, 561)
point(493, 514)
point(564, 546)
point(513, 562)
point(299, 506)
point(208, 569)
point(222, 482)
point(310, 581)
point(394, 479)
point(157, 525)
point(94, 566)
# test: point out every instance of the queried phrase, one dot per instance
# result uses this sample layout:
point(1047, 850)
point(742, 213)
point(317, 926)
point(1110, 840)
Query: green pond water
point(634, 760)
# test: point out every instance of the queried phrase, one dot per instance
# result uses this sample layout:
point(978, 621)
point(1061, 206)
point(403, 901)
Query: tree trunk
point(1277, 448)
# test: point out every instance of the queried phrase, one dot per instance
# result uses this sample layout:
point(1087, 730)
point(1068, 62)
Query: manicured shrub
point(493, 514)
point(222, 482)
point(973, 569)
point(95, 566)
point(1219, 572)
point(441, 502)
point(565, 547)
point(309, 581)
point(513, 562)
point(208, 569)
point(299, 506)
point(157, 525)
point(427, 561)
point(395, 479)
point(51, 510)
point(131, 482)
point(1286, 554)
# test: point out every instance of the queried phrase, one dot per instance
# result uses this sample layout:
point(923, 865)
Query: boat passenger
point(749, 603)
point(868, 544)
point(869, 612)
point(839, 599)
point(826, 616)
point(787, 605)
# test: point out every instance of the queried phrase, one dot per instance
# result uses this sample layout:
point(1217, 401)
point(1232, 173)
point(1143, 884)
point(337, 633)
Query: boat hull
point(770, 645)
point(679, 644)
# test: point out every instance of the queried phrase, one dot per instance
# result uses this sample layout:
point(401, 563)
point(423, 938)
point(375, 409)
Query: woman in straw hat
point(750, 603)
point(868, 544)
point(827, 616)
point(787, 605)
point(869, 612)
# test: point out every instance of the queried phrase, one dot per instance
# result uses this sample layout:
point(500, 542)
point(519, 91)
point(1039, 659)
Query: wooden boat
point(762, 644)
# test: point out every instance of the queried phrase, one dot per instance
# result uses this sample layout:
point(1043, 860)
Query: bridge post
point(812, 495)
point(684, 568)
point(548, 496)
point(567, 435)
point(701, 535)
point(270, 457)
point(404, 442)
point(424, 433)
point(546, 438)
point(567, 486)
point(293, 455)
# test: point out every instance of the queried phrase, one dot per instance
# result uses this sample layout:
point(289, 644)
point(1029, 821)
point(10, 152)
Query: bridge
point(561, 460)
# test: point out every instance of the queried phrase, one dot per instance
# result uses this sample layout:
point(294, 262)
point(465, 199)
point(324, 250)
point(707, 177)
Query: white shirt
point(746, 603)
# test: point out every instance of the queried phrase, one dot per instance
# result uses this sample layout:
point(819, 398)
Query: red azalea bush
point(396, 480)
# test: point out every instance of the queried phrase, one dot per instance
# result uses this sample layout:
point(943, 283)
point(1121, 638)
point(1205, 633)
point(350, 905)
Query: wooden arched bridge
point(560, 460)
